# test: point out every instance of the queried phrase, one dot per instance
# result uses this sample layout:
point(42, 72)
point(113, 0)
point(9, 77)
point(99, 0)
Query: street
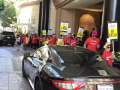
point(11, 69)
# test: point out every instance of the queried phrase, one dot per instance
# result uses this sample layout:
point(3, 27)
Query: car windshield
point(8, 33)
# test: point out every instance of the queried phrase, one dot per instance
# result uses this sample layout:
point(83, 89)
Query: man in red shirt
point(106, 54)
point(40, 40)
point(34, 41)
point(67, 40)
point(92, 43)
point(25, 42)
point(73, 40)
point(53, 40)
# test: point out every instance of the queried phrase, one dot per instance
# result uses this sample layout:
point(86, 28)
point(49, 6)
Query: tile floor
point(10, 69)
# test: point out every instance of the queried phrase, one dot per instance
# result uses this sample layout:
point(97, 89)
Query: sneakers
point(17, 49)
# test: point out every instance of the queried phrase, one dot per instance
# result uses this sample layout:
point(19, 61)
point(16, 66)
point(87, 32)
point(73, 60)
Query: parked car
point(69, 68)
point(8, 37)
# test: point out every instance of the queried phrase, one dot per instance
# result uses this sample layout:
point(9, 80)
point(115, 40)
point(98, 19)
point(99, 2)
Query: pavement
point(11, 69)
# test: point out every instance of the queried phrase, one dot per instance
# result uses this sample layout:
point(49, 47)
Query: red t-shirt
point(107, 56)
point(22, 38)
point(92, 44)
point(40, 39)
point(34, 39)
point(53, 40)
point(20, 35)
point(67, 40)
point(73, 42)
point(26, 40)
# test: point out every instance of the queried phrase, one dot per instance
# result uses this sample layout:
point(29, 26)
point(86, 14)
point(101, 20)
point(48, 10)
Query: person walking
point(53, 40)
point(67, 40)
point(106, 54)
point(30, 39)
point(18, 42)
point(25, 43)
point(1, 38)
point(92, 43)
point(73, 40)
point(34, 41)
point(40, 40)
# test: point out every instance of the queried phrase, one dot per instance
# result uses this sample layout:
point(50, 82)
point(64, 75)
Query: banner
point(80, 32)
point(112, 30)
point(43, 32)
point(49, 32)
point(64, 26)
point(60, 42)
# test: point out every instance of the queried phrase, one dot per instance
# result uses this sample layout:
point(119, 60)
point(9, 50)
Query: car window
point(8, 33)
point(41, 53)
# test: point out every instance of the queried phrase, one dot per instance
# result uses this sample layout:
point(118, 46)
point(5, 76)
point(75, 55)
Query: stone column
point(111, 12)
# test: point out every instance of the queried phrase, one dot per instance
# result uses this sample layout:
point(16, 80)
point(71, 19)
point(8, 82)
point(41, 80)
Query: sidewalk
point(11, 69)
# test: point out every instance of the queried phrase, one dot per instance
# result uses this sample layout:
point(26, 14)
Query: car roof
point(66, 47)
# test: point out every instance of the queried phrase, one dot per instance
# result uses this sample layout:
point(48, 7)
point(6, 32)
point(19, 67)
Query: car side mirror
point(26, 54)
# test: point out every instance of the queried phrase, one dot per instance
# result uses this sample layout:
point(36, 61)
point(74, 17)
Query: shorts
point(18, 43)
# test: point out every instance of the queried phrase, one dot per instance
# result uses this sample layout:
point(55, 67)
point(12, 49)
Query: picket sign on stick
point(113, 46)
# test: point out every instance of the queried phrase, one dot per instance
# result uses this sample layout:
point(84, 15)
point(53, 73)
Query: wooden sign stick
point(113, 46)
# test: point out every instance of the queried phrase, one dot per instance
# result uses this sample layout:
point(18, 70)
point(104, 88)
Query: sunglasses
point(108, 47)
point(94, 36)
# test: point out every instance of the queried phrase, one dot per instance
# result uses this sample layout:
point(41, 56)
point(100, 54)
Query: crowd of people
point(92, 43)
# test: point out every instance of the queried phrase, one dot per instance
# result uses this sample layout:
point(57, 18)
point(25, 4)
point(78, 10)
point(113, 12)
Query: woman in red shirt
point(106, 54)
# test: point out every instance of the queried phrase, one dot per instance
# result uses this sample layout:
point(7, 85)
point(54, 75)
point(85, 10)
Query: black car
point(69, 68)
point(8, 37)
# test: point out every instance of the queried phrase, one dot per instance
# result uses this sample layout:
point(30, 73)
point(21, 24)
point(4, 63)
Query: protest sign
point(43, 32)
point(112, 30)
point(80, 32)
point(64, 26)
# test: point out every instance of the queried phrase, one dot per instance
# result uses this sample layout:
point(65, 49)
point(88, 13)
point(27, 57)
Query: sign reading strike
point(64, 26)
point(43, 32)
point(112, 30)
point(80, 32)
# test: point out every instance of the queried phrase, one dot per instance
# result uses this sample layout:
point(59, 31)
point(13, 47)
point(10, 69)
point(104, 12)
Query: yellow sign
point(19, 30)
point(80, 32)
point(64, 26)
point(62, 33)
point(60, 42)
point(112, 31)
point(43, 32)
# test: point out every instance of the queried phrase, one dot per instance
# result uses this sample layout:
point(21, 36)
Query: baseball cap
point(94, 33)
point(73, 34)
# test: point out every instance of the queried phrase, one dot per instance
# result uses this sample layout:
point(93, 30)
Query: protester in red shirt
point(53, 40)
point(40, 40)
point(67, 40)
point(106, 54)
point(34, 41)
point(92, 43)
point(25, 42)
point(73, 40)
point(20, 35)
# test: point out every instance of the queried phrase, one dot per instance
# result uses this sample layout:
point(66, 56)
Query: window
point(28, 20)
point(18, 20)
point(33, 21)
